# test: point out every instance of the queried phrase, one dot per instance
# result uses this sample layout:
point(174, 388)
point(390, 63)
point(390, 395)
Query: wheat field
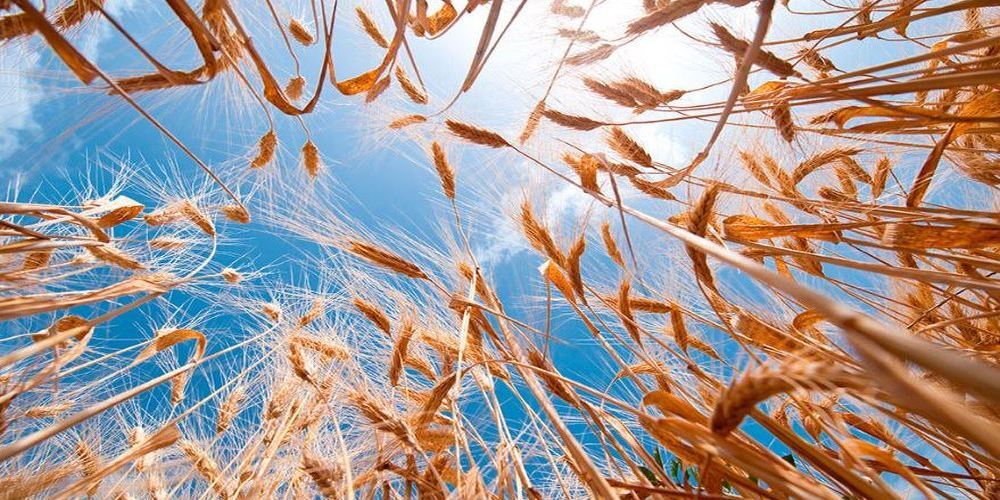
point(500, 249)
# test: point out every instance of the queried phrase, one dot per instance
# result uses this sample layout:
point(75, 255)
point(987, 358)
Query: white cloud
point(19, 94)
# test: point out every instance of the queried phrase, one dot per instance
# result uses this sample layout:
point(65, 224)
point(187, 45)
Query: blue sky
point(57, 136)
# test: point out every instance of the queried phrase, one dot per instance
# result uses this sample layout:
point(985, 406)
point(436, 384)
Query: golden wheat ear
point(809, 308)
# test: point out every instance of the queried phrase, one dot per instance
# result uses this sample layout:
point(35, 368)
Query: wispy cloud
point(20, 91)
point(19, 95)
